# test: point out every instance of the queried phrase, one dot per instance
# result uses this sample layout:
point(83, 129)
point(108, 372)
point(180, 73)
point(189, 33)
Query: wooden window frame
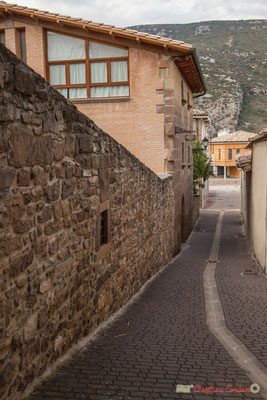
point(219, 154)
point(18, 42)
point(2, 31)
point(230, 150)
point(88, 85)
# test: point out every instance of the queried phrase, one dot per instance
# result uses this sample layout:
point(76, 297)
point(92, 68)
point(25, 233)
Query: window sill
point(101, 100)
point(102, 251)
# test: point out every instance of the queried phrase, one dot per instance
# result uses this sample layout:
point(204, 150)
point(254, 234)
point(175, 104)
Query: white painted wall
point(258, 206)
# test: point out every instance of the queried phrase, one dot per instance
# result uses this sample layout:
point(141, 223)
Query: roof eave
point(197, 64)
point(161, 44)
point(260, 138)
point(231, 141)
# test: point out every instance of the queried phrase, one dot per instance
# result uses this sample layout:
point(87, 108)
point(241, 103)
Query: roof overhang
point(261, 137)
point(189, 67)
point(230, 142)
point(204, 117)
point(243, 160)
point(184, 54)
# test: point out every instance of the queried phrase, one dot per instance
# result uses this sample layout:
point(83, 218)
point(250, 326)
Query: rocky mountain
point(233, 57)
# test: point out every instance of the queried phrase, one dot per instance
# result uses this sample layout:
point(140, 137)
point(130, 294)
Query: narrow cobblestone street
point(163, 340)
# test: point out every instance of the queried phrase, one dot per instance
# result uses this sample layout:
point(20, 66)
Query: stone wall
point(58, 172)
point(178, 146)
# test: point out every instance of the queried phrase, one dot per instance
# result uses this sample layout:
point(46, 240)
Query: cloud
point(129, 12)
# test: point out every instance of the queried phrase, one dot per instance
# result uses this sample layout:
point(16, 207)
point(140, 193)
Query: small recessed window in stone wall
point(104, 228)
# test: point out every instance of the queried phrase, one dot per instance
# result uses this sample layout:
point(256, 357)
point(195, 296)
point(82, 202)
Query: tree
point(202, 167)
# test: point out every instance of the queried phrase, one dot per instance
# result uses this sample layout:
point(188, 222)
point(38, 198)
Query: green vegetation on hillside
point(233, 57)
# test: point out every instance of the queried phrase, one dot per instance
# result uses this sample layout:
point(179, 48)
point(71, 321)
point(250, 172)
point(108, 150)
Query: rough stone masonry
point(58, 171)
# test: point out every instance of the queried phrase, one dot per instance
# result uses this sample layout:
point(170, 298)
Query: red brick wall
point(135, 123)
point(34, 43)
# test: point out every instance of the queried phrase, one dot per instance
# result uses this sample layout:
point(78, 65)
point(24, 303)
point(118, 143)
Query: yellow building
point(223, 150)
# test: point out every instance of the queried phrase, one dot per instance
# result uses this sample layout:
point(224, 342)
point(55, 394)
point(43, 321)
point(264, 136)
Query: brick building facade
point(149, 107)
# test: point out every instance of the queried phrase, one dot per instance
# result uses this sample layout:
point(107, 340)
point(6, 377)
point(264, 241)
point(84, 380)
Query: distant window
point(182, 93)
point(189, 155)
point(219, 154)
point(22, 45)
point(230, 155)
point(79, 68)
point(189, 106)
point(2, 37)
point(237, 151)
point(182, 153)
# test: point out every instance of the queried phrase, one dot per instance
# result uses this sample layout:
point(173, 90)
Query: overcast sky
point(137, 12)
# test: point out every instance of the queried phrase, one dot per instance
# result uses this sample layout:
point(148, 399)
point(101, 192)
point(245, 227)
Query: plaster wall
point(258, 202)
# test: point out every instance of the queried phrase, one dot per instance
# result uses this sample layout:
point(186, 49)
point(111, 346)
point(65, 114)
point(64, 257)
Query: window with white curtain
point(80, 68)
point(2, 37)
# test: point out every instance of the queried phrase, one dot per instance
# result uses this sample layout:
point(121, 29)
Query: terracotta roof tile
point(238, 136)
point(199, 113)
point(243, 160)
point(82, 21)
point(261, 136)
point(197, 87)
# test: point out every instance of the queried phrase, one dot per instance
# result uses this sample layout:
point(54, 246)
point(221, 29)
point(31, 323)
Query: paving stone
point(246, 295)
point(165, 338)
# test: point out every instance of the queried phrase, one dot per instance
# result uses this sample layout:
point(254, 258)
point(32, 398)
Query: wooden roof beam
point(7, 11)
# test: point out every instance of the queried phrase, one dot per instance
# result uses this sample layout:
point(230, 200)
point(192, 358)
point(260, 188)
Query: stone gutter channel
point(243, 357)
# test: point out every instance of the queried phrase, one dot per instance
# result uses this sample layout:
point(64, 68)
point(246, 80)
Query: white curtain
point(64, 92)
point(74, 93)
point(109, 91)
point(62, 47)
point(119, 71)
point(57, 74)
point(97, 50)
point(77, 73)
point(22, 37)
point(2, 37)
point(77, 93)
point(98, 72)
